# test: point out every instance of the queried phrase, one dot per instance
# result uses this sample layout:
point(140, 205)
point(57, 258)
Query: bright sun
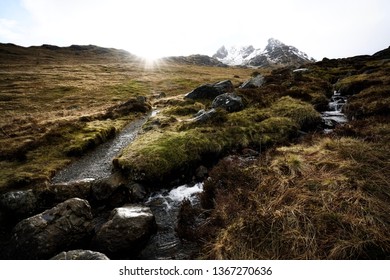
point(149, 56)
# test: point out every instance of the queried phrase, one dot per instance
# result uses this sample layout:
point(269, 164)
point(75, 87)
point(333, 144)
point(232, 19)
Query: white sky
point(155, 28)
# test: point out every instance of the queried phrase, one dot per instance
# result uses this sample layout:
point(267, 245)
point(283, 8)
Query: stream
point(97, 164)
point(165, 204)
point(334, 115)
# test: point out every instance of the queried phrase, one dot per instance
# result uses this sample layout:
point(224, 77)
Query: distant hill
point(10, 53)
point(196, 59)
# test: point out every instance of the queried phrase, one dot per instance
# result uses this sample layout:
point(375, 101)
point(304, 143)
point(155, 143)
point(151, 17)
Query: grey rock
point(210, 91)
point(137, 192)
point(228, 101)
point(64, 226)
point(201, 173)
point(254, 82)
point(104, 188)
point(56, 193)
point(126, 231)
point(19, 203)
point(203, 115)
point(80, 255)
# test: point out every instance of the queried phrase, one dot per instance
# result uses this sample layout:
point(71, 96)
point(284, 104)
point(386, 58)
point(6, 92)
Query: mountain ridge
point(275, 53)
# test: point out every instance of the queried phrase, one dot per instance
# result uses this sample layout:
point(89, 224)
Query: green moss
point(301, 112)
point(154, 155)
point(93, 134)
point(51, 152)
point(356, 83)
point(158, 155)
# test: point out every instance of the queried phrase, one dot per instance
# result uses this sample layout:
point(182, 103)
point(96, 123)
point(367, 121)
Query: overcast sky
point(155, 28)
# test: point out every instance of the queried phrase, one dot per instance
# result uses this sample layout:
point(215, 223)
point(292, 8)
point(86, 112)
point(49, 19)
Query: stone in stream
point(42, 236)
point(126, 231)
point(80, 255)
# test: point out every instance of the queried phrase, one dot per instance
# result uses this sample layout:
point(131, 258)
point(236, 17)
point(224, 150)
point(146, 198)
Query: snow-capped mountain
point(275, 53)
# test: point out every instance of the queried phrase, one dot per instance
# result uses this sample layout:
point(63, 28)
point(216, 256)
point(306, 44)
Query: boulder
point(80, 255)
point(254, 82)
point(25, 203)
point(203, 115)
point(104, 188)
point(210, 91)
point(22, 203)
point(64, 226)
point(228, 101)
point(126, 231)
point(56, 193)
point(137, 192)
point(116, 191)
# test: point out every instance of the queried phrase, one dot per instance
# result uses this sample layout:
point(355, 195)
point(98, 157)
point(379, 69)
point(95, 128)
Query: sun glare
point(151, 63)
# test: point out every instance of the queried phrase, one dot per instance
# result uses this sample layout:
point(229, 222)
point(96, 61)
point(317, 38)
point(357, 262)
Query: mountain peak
point(274, 42)
point(275, 53)
point(235, 55)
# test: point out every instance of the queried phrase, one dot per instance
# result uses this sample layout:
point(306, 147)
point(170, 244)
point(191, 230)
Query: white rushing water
point(165, 205)
point(334, 115)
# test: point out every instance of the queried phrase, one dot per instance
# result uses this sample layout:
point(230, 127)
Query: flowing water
point(334, 116)
point(98, 163)
point(165, 205)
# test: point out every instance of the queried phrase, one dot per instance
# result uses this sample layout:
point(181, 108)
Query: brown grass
point(327, 200)
point(64, 96)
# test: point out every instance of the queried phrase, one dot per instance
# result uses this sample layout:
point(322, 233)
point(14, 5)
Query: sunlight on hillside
point(151, 63)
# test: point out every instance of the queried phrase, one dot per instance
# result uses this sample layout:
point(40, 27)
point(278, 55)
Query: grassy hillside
point(320, 197)
point(57, 103)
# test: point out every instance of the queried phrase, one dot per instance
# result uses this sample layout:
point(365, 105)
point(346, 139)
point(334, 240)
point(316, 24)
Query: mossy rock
point(301, 112)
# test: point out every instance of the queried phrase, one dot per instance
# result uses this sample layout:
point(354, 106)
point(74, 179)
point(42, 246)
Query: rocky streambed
point(91, 212)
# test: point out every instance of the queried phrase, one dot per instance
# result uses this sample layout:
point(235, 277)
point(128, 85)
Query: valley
point(275, 185)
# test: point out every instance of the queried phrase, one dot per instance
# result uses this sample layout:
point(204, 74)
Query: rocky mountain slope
point(275, 53)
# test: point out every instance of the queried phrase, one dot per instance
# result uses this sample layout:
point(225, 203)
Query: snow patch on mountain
point(274, 53)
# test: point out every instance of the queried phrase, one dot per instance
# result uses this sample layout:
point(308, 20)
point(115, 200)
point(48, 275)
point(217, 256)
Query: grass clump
point(156, 156)
point(372, 101)
point(301, 112)
point(290, 214)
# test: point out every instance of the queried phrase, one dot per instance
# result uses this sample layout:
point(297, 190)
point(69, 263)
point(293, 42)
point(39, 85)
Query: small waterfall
point(334, 116)
point(165, 205)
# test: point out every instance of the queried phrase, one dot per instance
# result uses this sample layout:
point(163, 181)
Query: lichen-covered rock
point(64, 226)
point(126, 231)
point(80, 255)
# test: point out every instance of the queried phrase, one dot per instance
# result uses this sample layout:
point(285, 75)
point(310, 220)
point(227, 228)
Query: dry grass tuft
point(328, 200)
